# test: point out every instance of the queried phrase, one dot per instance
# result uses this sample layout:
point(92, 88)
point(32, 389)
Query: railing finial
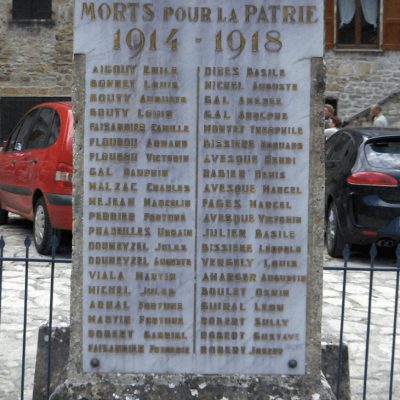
point(373, 252)
point(346, 252)
point(27, 241)
point(54, 242)
point(398, 251)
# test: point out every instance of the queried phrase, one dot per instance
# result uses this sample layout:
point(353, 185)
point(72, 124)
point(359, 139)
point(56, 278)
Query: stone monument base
point(60, 350)
point(59, 358)
point(206, 387)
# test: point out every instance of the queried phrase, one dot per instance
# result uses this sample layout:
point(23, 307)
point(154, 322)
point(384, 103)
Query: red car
point(36, 172)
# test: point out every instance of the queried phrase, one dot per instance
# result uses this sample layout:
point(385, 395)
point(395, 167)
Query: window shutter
point(31, 9)
point(391, 25)
point(21, 9)
point(329, 24)
point(42, 9)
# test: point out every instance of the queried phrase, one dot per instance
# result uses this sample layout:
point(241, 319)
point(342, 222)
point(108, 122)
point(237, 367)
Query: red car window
point(38, 138)
point(55, 129)
point(11, 141)
point(19, 136)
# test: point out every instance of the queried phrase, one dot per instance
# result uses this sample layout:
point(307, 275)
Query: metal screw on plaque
point(292, 364)
point(94, 362)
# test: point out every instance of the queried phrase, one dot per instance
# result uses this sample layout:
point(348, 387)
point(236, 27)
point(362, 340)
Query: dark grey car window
point(341, 147)
point(38, 138)
point(383, 153)
point(330, 143)
point(18, 141)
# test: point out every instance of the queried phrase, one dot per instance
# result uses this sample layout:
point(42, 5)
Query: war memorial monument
point(198, 201)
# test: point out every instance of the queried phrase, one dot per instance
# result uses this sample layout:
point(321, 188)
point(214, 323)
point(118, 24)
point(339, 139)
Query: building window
point(358, 23)
point(31, 9)
point(365, 34)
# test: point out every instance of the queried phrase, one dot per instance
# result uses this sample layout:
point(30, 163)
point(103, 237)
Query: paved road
point(38, 298)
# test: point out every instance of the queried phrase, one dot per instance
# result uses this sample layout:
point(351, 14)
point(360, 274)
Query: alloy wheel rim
point(331, 231)
point(39, 224)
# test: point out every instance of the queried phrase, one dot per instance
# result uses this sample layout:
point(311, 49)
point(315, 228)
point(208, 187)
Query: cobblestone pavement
point(11, 328)
point(12, 305)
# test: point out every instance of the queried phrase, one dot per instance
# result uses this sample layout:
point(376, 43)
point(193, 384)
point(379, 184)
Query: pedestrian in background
point(329, 111)
point(334, 124)
point(379, 119)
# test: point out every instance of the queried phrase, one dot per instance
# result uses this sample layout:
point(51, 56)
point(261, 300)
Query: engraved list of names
point(196, 154)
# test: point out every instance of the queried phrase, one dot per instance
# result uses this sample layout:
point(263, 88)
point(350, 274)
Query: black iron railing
point(372, 270)
point(27, 261)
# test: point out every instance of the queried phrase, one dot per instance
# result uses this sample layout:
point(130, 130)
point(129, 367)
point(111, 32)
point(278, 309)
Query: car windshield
point(383, 153)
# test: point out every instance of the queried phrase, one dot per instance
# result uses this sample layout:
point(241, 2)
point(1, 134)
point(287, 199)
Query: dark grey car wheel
point(334, 240)
point(42, 230)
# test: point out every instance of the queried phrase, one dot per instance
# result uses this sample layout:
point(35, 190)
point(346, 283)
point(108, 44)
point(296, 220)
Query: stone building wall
point(359, 79)
point(36, 56)
point(36, 60)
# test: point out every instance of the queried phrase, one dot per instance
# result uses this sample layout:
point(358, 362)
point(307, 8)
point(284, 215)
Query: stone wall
point(36, 56)
point(36, 60)
point(359, 79)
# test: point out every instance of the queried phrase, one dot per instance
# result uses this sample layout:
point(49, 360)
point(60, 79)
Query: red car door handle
point(35, 160)
point(13, 162)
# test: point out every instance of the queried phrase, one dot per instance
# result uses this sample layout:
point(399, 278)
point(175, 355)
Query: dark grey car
point(362, 190)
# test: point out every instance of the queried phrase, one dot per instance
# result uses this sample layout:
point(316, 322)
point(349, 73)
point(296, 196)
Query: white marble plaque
point(196, 184)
